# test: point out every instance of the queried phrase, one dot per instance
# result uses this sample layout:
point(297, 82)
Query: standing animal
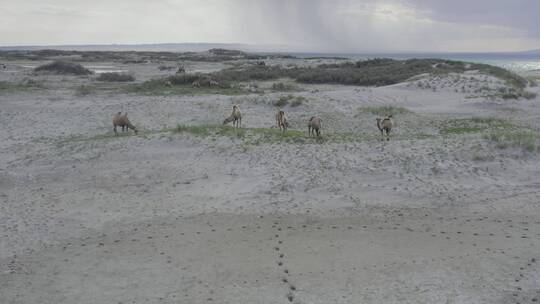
point(122, 121)
point(235, 118)
point(196, 84)
point(213, 83)
point(181, 70)
point(282, 121)
point(315, 125)
point(385, 125)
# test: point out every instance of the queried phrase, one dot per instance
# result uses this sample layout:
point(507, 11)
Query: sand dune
point(438, 214)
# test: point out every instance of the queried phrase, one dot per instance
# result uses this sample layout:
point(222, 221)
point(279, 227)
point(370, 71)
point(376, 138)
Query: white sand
point(173, 218)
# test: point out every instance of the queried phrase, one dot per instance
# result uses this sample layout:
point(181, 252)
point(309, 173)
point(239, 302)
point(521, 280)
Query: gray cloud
point(519, 14)
point(316, 25)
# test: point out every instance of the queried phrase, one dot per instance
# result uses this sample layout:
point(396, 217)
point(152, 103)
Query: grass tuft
point(473, 125)
point(525, 140)
point(385, 110)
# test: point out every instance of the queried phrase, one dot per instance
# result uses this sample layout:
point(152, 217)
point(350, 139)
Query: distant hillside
point(160, 47)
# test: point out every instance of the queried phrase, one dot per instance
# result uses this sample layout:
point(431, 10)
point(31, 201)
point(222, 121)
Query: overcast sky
point(302, 25)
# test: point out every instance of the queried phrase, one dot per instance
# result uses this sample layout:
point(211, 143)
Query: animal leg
point(115, 132)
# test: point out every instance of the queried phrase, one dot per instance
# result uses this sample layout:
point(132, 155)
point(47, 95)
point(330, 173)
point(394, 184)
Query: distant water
point(517, 62)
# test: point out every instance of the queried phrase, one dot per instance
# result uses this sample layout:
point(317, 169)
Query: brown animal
point(282, 121)
point(315, 125)
point(235, 118)
point(385, 125)
point(122, 121)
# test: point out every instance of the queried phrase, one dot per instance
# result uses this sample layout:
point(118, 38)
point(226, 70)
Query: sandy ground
point(173, 218)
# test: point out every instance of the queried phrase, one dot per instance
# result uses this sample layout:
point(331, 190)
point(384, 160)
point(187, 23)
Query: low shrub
point(115, 77)
point(64, 68)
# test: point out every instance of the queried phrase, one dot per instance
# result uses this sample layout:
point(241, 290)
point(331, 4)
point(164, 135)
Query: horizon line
point(271, 48)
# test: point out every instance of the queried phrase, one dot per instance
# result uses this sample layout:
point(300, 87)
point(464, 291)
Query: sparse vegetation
point(84, 90)
point(473, 125)
point(63, 68)
point(283, 101)
point(258, 136)
point(180, 86)
point(115, 77)
point(281, 86)
point(521, 139)
point(298, 101)
point(384, 110)
point(24, 85)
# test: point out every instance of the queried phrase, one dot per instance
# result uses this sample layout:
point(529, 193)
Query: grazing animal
point(282, 121)
point(213, 83)
point(196, 84)
point(235, 118)
point(314, 125)
point(122, 121)
point(181, 70)
point(385, 125)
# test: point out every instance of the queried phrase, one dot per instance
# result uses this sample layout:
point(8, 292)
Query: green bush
point(63, 67)
point(115, 77)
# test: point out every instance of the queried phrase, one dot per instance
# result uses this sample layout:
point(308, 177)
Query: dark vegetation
point(115, 77)
point(134, 57)
point(63, 68)
point(374, 72)
point(25, 85)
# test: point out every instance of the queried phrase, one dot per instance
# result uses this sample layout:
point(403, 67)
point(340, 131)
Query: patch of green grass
point(522, 139)
point(258, 136)
point(108, 136)
point(384, 110)
point(473, 125)
point(25, 85)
